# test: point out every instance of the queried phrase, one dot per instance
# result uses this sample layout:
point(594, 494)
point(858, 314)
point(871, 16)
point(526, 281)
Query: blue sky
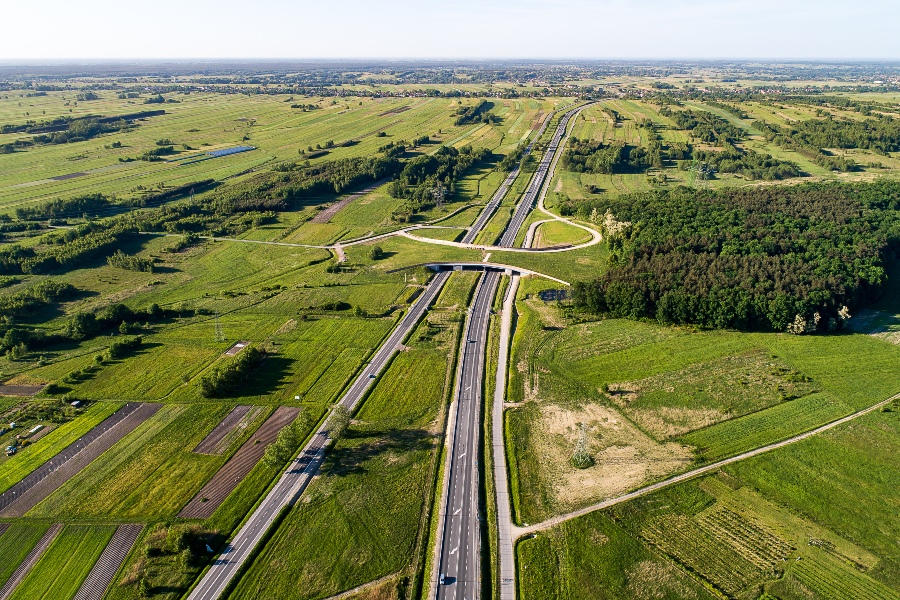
point(846, 29)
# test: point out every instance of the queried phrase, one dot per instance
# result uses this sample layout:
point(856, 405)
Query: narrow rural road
point(521, 531)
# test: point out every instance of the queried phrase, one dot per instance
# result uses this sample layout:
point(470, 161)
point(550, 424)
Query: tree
point(376, 253)
point(286, 445)
point(340, 420)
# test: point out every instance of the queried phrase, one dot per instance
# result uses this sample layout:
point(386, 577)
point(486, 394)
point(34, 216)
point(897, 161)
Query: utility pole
point(220, 331)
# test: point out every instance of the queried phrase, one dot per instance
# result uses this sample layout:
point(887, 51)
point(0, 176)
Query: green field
point(15, 544)
point(149, 474)
point(66, 563)
point(31, 457)
point(361, 520)
point(656, 400)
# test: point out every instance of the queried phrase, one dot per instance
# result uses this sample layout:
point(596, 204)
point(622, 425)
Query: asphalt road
point(491, 206)
point(518, 219)
point(304, 467)
point(460, 543)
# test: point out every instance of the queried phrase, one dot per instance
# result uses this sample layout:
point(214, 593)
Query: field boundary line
point(552, 522)
point(29, 561)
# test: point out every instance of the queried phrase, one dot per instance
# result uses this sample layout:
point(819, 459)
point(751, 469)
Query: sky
point(600, 29)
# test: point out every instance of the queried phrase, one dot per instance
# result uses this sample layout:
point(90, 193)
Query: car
point(371, 375)
point(442, 579)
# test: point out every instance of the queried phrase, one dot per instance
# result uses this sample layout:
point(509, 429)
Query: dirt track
point(231, 420)
point(233, 472)
point(46, 479)
point(325, 215)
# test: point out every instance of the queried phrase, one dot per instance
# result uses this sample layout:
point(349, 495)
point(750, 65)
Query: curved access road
point(458, 551)
point(226, 566)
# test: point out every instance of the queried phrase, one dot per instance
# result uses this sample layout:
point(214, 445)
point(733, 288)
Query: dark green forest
point(752, 258)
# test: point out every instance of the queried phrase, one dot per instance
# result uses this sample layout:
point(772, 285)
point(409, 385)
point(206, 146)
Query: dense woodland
point(751, 258)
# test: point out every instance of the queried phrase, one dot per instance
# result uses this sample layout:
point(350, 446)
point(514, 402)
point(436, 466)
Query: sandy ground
point(624, 457)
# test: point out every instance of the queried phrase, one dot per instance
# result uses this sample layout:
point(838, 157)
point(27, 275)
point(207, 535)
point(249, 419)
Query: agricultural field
point(653, 401)
point(149, 474)
point(66, 563)
point(791, 524)
point(363, 518)
point(143, 260)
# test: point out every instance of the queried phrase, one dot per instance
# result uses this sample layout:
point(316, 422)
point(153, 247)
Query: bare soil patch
point(226, 479)
point(106, 567)
point(20, 390)
point(624, 457)
point(238, 346)
point(212, 443)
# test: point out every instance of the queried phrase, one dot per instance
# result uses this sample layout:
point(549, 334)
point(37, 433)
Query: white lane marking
point(458, 510)
point(454, 550)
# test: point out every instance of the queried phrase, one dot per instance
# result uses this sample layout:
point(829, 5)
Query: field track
point(233, 472)
point(47, 478)
point(325, 215)
point(231, 420)
point(106, 567)
point(25, 567)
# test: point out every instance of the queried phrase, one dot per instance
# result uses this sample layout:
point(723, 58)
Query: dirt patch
point(677, 402)
point(238, 346)
point(233, 472)
point(624, 457)
point(325, 215)
point(20, 390)
point(288, 327)
point(667, 422)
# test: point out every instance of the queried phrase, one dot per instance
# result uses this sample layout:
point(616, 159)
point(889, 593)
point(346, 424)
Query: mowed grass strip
point(765, 426)
point(31, 457)
point(64, 566)
point(15, 544)
point(358, 522)
point(150, 473)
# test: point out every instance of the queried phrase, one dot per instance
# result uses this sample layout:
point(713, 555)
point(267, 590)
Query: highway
point(459, 546)
point(304, 467)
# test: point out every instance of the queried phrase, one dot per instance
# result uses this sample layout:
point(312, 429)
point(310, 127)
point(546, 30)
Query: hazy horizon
point(788, 30)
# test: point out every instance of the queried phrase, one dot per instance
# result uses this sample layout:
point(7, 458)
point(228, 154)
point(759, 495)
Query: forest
point(758, 258)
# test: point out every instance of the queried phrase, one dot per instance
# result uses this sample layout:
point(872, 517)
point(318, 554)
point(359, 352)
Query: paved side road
point(304, 467)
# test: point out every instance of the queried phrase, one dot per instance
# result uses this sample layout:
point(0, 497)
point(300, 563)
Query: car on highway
point(442, 579)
